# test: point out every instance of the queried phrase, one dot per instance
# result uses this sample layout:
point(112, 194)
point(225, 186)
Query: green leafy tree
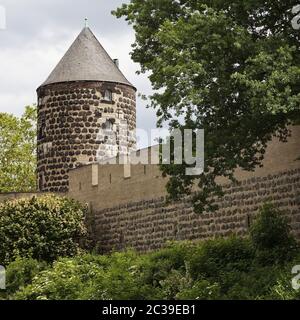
point(18, 151)
point(229, 67)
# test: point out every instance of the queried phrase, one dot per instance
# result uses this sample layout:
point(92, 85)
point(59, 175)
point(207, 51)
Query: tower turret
point(85, 95)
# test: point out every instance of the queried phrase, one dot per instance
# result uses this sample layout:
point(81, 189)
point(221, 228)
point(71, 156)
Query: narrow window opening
point(41, 130)
point(248, 221)
point(41, 183)
point(108, 95)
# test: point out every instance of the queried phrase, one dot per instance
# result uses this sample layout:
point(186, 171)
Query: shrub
point(182, 287)
point(43, 228)
point(21, 272)
point(124, 279)
point(251, 285)
point(66, 279)
point(162, 262)
point(271, 237)
point(212, 258)
point(88, 277)
point(283, 289)
point(174, 283)
point(200, 290)
point(62, 282)
point(127, 276)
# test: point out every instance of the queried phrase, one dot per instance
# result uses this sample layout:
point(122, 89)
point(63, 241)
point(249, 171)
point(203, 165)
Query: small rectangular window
point(41, 182)
point(108, 95)
point(41, 129)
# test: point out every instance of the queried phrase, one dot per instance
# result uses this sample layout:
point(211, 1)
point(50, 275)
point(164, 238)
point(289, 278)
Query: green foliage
point(270, 235)
point(21, 273)
point(66, 280)
point(252, 285)
point(214, 257)
point(43, 228)
point(124, 279)
point(126, 276)
point(282, 289)
point(18, 151)
point(215, 269)
point(161, 263)
point(228, 67)
point(182, 287)
point(200, 290)
point(89, 277)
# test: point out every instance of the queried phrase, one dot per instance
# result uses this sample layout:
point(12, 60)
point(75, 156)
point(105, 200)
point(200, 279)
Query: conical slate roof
point(86, 60)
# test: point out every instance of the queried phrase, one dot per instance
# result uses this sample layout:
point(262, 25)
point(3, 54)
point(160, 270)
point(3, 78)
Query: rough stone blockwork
point(71, 117)
point(147, 225)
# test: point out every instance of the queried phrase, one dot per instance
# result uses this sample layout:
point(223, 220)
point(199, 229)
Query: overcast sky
point(37, 35)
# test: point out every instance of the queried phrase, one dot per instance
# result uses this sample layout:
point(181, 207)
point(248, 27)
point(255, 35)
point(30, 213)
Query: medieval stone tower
point(85, 96)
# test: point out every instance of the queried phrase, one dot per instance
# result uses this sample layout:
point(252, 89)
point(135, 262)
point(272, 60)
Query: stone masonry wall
point(129, 210)
point(148, 225)
point(70, 119)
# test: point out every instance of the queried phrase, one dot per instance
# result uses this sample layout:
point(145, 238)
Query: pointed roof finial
point(86, 22)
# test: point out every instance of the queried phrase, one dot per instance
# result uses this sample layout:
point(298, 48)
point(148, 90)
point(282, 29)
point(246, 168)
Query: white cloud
point(23, 70)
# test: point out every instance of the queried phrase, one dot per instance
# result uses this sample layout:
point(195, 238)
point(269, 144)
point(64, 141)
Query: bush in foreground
point(271, 237)
point(128, 276)
point(43, 228)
